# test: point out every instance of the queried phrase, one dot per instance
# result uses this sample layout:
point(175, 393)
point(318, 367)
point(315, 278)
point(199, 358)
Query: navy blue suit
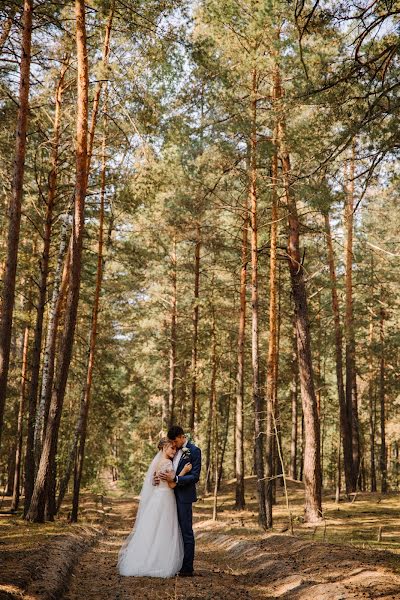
point(185, 494)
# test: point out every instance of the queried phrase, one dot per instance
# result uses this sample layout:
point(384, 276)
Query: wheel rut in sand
point(231, 568)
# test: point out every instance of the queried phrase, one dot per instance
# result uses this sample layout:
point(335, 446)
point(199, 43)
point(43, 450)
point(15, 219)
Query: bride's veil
point(145, 493)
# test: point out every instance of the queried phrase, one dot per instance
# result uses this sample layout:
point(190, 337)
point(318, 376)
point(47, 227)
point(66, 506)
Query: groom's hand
point(169, 476)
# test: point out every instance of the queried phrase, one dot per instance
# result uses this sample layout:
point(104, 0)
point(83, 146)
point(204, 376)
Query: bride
point(154, 547)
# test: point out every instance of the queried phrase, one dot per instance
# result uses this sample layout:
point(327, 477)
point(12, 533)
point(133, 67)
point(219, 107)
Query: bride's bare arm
point(186, 469)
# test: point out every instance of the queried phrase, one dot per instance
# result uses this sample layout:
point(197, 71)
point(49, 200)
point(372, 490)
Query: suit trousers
point(185, 518)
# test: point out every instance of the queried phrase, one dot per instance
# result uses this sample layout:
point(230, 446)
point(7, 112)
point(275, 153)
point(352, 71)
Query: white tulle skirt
point(154, 548)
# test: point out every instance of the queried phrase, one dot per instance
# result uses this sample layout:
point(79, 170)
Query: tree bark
point(57, 302)
point(312, 458)
point(165, 395)
point(239, 422)
point(14, 214)
point(212, 402)
point(345, 422)
point(257, 396)
point(293, 397)
point(172, 348)
point(12, 451)
point(338, 481)
point(37, 506)
point(60, 284)
point(215, 436)
point(21, 412)
point(318, 374)
point(383, 450)
point(83, 413)
point(195, 319)
point(224, 442)
point(278, 467)
point(93, 333)
point(99, 85)
point(71, 462)
point(301, 471)
point(351, 385)
point(44, 272)
point(372, 408)
point(272, 358)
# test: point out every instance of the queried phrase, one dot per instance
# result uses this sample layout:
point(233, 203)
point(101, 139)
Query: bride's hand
point(186, 469)
point(168, 476)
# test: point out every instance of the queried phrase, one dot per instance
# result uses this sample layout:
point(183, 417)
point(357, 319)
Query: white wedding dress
point(154, 547)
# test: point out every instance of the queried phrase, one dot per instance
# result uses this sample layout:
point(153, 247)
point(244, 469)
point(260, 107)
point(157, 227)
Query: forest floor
point(340, 559)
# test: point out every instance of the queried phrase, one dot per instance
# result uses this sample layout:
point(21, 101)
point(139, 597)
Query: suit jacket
point(185, 490)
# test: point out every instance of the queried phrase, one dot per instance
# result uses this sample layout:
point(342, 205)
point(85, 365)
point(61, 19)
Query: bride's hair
point(163, 443)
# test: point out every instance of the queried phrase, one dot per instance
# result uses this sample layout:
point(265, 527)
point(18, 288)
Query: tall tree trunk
point(345, 422)
point(172, 348)
point(37, 506)
point(56, 307)
point(14, 214)
point(93, 333)
point(293, 397)
point(212, 401)
point(215, 436)
point(351, 391)
point(338, 482)
point(239, 421)
point(57, 299)
point(301, 472)
point(21, 411)
point(224, 442)
point(257, 395)
point(395, 466)
point(165, 409)
point(12, 451)
point(44, 272)
point(71, 461)
point(272, 358)
point(194, 413)
point(60, 286)
point(383, 450)
point(318, 374)
point(312, 458)
point(372, 407)
point(278, 468)
point(99, 85)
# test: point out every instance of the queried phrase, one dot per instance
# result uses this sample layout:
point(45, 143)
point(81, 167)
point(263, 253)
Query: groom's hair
point(174, 432)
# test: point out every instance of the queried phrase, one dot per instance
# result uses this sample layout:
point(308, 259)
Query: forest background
point(199, 225)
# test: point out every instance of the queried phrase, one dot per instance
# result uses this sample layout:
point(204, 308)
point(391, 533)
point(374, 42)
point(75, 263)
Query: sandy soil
point(345, 558)
point(36, 559)
point(231, 565)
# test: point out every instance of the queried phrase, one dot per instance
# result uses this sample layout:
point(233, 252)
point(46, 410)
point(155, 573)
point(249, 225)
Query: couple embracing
point(161, 543)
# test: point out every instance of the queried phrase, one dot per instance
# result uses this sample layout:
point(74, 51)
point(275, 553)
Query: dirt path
point(231, 567)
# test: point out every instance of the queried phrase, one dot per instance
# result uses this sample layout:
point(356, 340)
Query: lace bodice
point(164, 466)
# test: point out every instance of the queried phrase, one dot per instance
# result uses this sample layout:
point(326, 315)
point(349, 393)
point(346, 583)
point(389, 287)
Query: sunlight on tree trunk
point(14, 210)
point(345, 423)
point(351, 384)
point(239, 420)
point(37, 506)
point(257, 394)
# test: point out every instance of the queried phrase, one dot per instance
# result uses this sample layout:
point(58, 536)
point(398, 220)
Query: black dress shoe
point(185, 574)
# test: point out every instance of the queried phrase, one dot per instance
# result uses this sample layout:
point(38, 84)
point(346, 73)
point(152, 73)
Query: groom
point(185, 491)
